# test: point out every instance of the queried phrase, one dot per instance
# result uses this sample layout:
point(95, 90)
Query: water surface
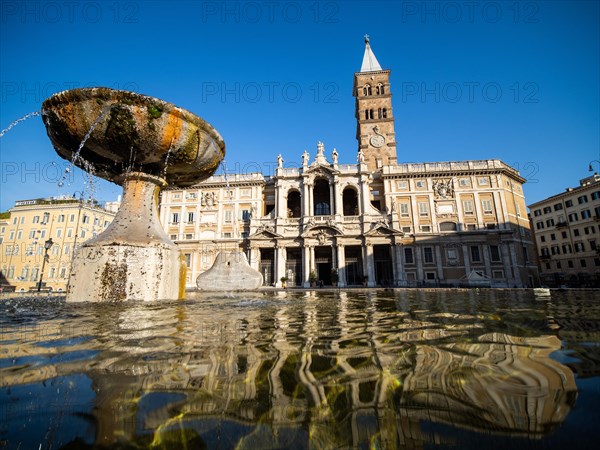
point(379, 369)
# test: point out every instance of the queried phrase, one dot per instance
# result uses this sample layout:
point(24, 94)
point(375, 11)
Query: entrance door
point(324, 264)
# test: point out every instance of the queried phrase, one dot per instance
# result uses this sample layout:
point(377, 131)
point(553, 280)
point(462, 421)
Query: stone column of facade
point(305, 194)
point(332, 204)
point(478, 210)
point(339, 203)
point(467, 259)
point(280, 264)
point(419, 263)
point(306, 265)
point(508, 268)
point(254, 258)
point(370, 262)
point(438, 261)
point(486, 261)
point(398, 266)
point(341, 265)
point(364, 192)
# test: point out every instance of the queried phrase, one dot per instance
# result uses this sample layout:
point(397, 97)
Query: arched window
point(321, 196)
point(350, 202)
point(367, 90)
point(294, 204)
point(380, 89)
point(384, 113)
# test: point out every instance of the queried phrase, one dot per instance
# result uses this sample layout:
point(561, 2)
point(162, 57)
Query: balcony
point(562, 224)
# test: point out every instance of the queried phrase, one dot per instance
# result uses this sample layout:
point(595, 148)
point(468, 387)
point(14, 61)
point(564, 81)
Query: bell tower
point(374, 116)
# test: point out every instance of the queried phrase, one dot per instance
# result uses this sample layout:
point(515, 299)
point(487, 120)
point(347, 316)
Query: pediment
point(314, 230)
point(324, 169)
point(265, 233)
point(381, 229)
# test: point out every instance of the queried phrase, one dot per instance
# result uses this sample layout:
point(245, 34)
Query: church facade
point(373, 223)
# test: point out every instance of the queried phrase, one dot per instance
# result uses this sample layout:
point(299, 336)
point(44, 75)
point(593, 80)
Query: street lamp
point(47, 246)
point(590, 168)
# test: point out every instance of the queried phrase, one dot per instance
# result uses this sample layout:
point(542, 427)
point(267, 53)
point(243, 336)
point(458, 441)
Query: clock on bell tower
point(375, 121)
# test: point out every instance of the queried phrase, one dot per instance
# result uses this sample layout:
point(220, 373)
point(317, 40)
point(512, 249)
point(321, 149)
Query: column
point(280, 264)
point(438, 261)
point(341, 265)
point(419, 263)
point(370, 262)
point(486, 260)
point(332, 204)
point(305, 194)
point(254, 258)
point(398, 266)
point(306, 265)
point(467, 259)
point(339, 203)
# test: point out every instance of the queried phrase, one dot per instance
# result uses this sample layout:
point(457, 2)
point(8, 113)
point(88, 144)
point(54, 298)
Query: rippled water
point(406, 369)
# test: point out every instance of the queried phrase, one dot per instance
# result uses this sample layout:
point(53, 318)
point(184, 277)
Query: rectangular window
point(579, 247)
point(452, 253)
point(582, 263)
point(495, 253)
point(36, 219)
point(582, 199)
point(498, 274)
point(420, 184)
point(573, 217)
point(423, 208)
point(569, 203)
point(595, 195)
point(188, 259)
point(537, 212)
point(408, 255)
point(475, 255)
point(547, 210)
point(558, 207)
point(486, 204)
point(483, 181)
point(246, 216)
point(228, 216)
point(586, 214)
point(425, 228)
point(189, 236)
point(70, 232)
point(539, 225)
point(175, 217)
point(428, 255)
point(402, 185)
point(72, 218)
point(86, 219)
point(227, 235)
point(32, 234)
point(404, 211)
point(550, 222)
point(468, 207)
point(464, 182)
point(190, 217)
point(552, 237)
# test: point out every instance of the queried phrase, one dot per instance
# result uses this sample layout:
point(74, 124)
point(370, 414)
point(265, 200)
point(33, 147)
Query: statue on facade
point(334, 157)
point(361, 156)
point(305, 157)
point(279, 161)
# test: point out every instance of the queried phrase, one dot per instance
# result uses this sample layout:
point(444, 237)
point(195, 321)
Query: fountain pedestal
point(133, 259)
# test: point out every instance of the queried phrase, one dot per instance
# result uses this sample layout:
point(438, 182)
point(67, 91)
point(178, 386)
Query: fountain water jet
point(133, 259)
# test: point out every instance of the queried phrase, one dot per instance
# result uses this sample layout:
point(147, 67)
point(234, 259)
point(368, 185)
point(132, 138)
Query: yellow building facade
point(59, 223)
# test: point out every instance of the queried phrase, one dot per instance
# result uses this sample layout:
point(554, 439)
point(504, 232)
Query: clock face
point(377, 140)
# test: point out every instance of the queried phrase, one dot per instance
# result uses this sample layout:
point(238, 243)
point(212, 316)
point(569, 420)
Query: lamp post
point(47, 246)
point(590, 168)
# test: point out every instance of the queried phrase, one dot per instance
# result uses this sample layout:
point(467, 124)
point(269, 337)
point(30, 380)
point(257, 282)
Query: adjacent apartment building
point(60, 224)
point(375, 223)
point(567, 234)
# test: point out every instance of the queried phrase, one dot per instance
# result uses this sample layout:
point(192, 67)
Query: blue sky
point(517, 81)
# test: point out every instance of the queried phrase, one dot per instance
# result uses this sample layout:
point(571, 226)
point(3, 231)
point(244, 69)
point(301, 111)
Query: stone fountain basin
point(137, 133)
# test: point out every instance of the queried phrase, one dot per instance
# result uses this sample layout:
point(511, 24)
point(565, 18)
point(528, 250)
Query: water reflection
point(295, 370)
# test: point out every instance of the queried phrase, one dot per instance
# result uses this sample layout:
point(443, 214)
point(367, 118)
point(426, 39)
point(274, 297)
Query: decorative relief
point(443, 188)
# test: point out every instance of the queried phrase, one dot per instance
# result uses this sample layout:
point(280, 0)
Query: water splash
point(78, 160)
point(164, 174)
point(16, 122)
